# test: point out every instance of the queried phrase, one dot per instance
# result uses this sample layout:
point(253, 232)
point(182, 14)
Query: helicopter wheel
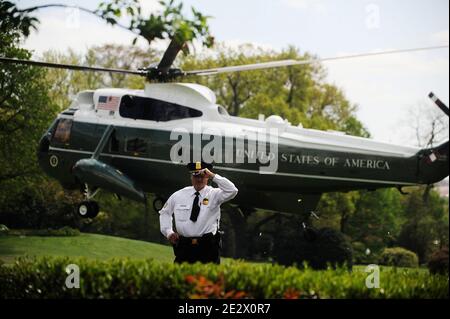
point(88, 209)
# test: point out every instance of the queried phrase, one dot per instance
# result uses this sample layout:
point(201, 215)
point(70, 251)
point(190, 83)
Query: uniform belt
point(196, 240)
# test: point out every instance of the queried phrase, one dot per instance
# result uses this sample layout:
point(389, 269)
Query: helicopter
point(127, 142)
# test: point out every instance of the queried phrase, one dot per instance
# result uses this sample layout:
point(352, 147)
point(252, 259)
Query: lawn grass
point(102, 247)
point(91, 246)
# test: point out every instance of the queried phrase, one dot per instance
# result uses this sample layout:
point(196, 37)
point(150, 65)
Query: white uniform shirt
point(180, 205)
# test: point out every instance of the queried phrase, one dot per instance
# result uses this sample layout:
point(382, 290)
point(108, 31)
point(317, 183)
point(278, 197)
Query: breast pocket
point(182, 212)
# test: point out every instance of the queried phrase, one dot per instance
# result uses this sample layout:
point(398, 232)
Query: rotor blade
point(284, 63)
point(169, 56)
point(69, 66)
point(439, 103)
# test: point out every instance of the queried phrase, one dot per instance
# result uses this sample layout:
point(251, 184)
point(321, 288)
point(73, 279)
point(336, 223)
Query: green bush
point(122, 278)
point(330, 247)
point(399, 257)
point(40, 207)
point(438, 263)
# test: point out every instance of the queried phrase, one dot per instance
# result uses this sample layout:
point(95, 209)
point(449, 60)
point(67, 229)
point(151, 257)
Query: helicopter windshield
point(142, 108)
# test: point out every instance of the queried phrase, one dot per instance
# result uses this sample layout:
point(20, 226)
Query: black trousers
point(205, 249)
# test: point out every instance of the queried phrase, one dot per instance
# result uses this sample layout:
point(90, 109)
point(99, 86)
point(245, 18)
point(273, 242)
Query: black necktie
point(195, 208)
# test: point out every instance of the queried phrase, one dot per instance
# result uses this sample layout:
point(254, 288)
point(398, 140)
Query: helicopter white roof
point(187, 94)
point(202, 98)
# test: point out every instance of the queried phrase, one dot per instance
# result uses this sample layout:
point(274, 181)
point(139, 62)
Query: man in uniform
point(197, 214)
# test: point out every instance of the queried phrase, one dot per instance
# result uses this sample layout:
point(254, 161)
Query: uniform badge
point(205, 201)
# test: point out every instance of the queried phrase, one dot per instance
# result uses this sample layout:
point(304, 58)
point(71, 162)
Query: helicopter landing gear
point(88, 208)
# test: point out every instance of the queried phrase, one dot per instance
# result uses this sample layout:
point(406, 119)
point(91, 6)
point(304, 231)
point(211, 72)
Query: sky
point(386, 89)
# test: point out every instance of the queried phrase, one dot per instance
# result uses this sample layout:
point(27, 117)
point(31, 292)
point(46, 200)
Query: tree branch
point(59, 5)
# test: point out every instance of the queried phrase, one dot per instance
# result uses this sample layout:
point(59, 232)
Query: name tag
point(182, 206)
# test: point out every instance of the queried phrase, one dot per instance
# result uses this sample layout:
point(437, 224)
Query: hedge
point(123, 278)
point(399, 257)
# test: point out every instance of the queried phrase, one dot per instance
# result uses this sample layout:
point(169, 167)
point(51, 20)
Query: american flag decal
point(109, 103)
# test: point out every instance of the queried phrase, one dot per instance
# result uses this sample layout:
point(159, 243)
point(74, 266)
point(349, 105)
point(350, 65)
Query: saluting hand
point(208, 173)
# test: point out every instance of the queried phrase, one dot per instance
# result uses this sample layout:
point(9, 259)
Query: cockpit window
point(62, 132)
point(142, 108)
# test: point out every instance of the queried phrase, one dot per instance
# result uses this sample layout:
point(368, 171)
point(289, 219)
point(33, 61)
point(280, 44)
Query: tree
point(298, 93)
point(66, 84)
point(170, 23)
point(25, 111)
point(377, 219)
point(337, 209)
point(426, 225)
point(428, 124)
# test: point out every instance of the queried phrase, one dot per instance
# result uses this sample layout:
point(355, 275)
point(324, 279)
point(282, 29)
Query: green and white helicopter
point(122, 141)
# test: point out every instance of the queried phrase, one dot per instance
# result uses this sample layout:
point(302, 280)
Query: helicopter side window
point(136, 145)
point(141, 108)
point(62, 132)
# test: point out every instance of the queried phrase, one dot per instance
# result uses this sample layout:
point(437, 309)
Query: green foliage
point(65, 84)
point(426, 224)
point(125, 218)
point(45, 278)
point(169, 23)
point(39, 207)
point(25, 112)
point(299, 93)
point(438, 263)
point(336, 209)
point(329, 248)
point(172, 24)
point(363, 255)
point(13, 18)
point(376, 219)
point(398, 257)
